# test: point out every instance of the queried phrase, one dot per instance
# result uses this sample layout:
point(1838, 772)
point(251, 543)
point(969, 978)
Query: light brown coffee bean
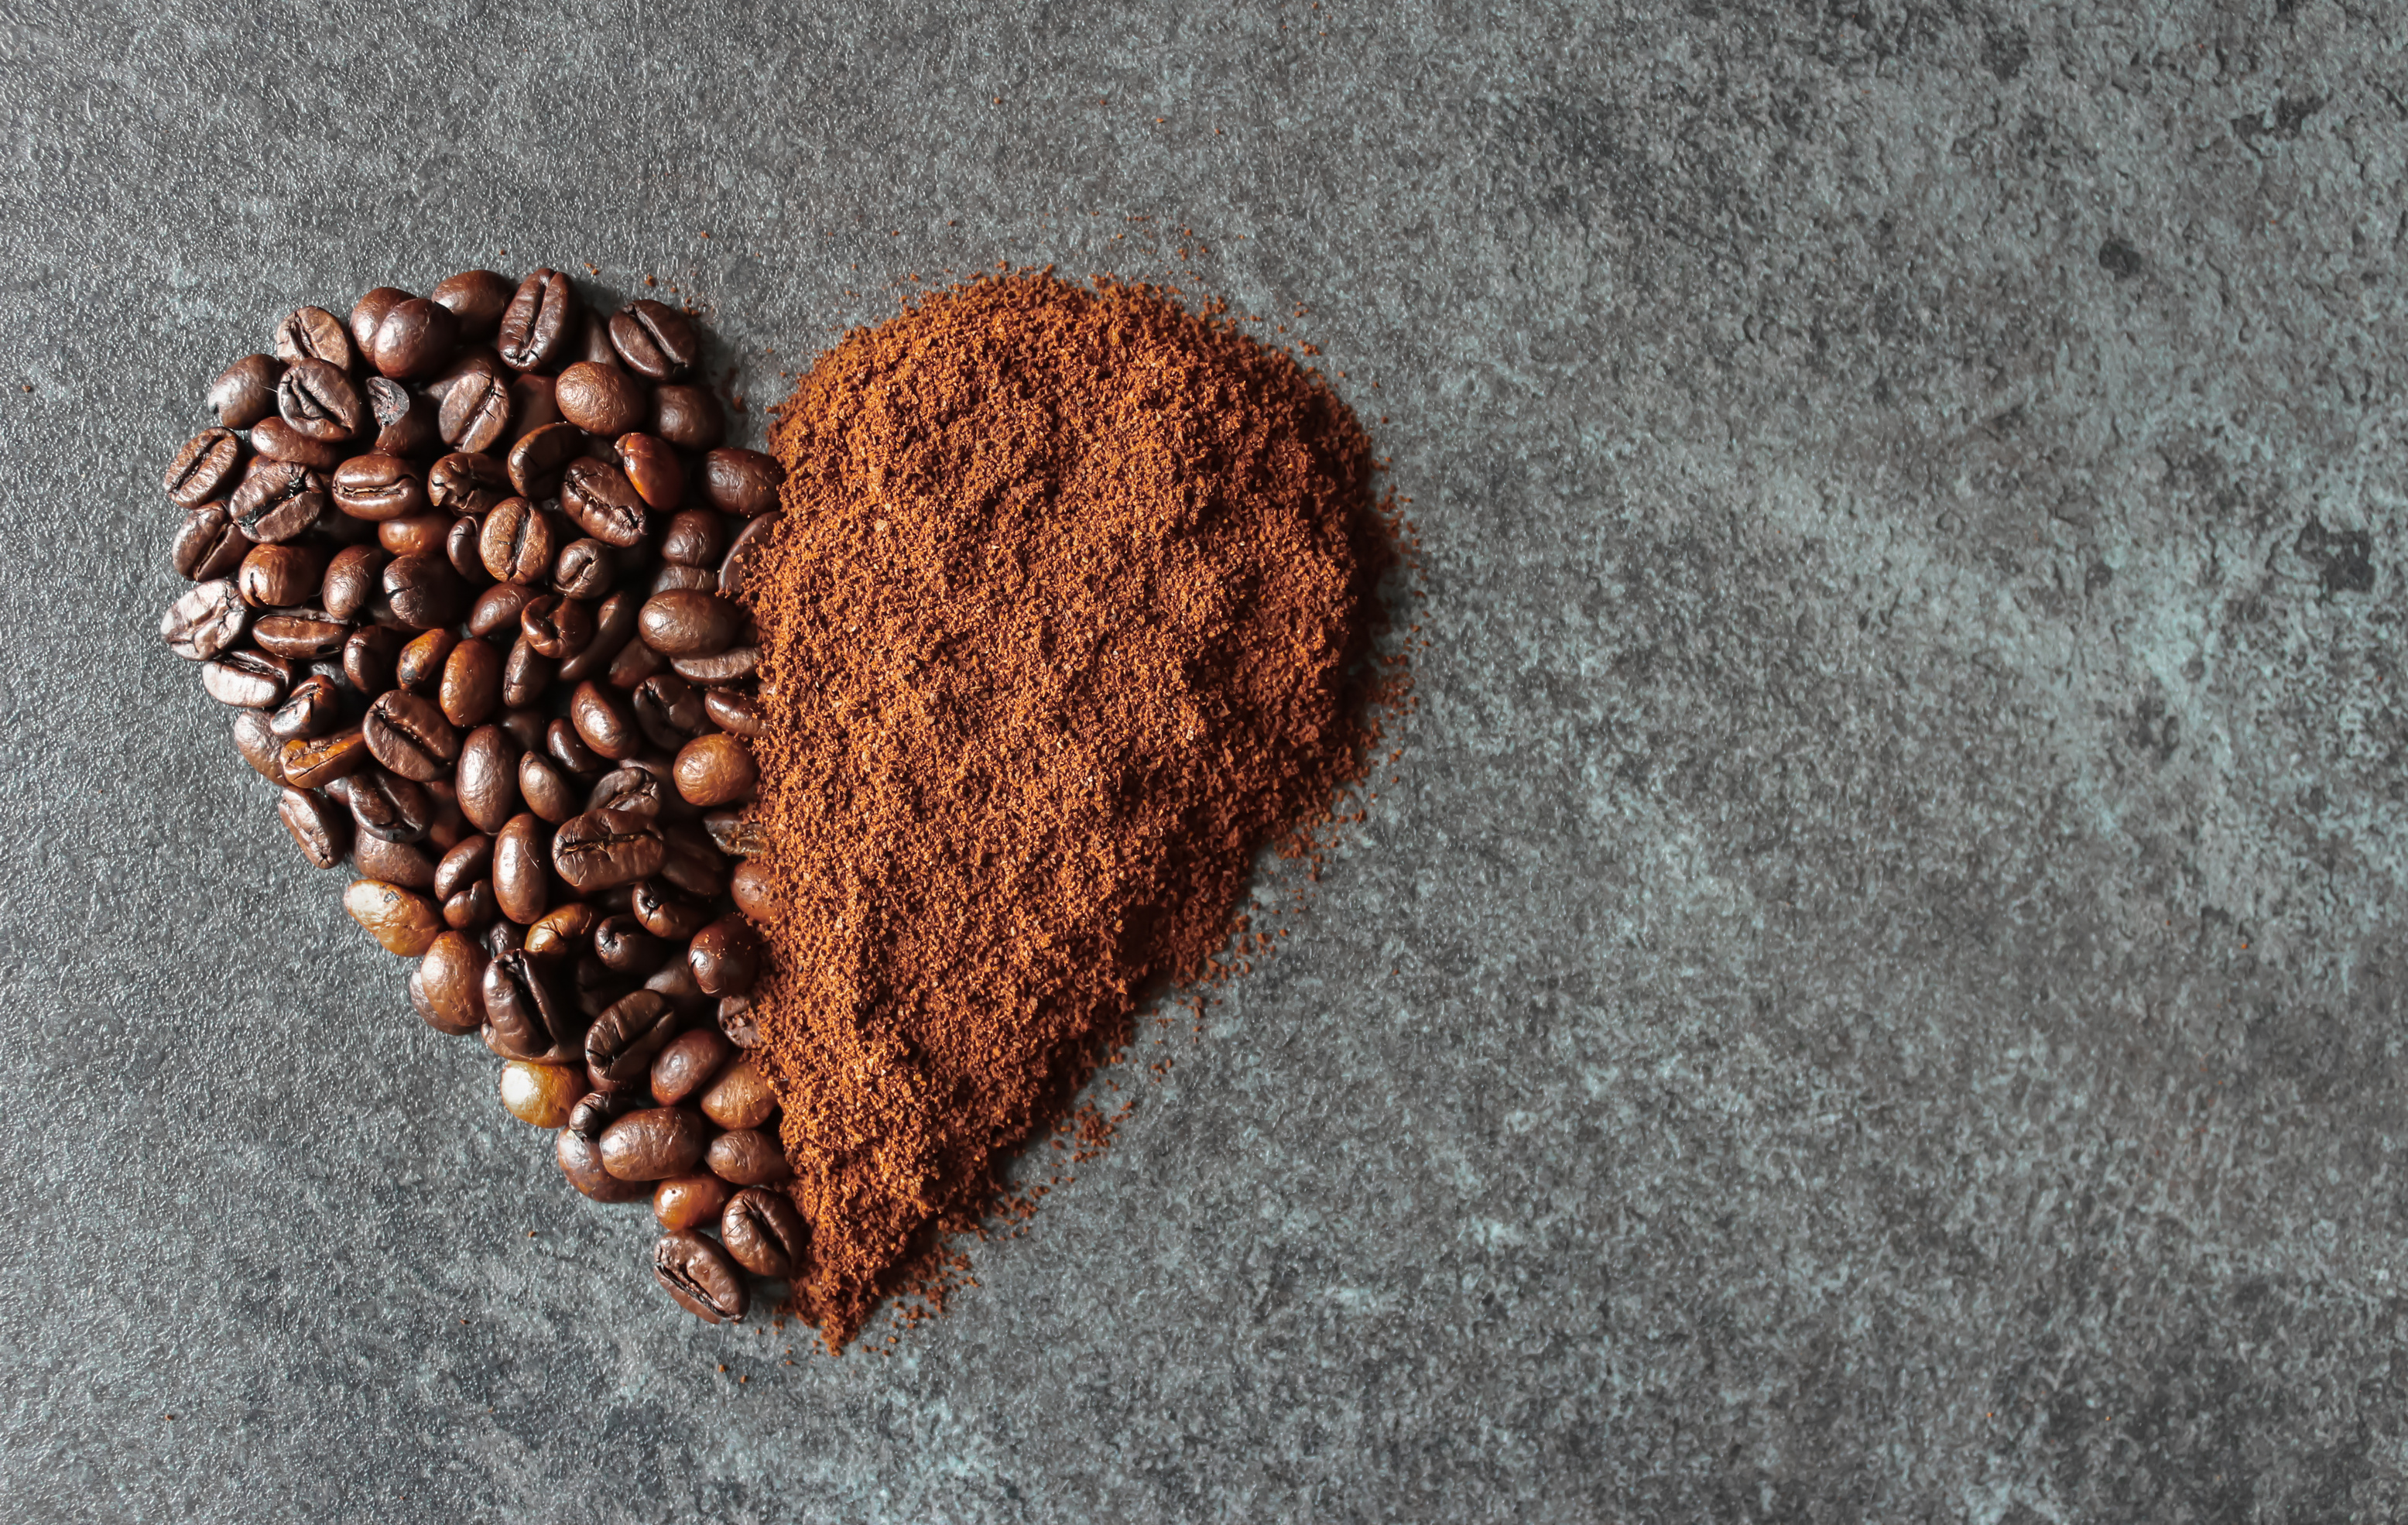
point(406, 923)
point(748, 1157)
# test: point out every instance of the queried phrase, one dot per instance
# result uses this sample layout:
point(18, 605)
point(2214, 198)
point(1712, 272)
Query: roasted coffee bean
point(559, 737)
point(691, 863)
point(538, 459)
point(672, 578)
point(749, 886)
point(496, 613)
point(314, 762)
point(424, 591)
point(556, 626)
point(415, 341)
point(471, 908)
point(669, 912)
point(353, 579)
point(584, 568)
point(478, 298)
point(579, 1149)
point(602, 848)
point(634, 789)
point(245, 392)
point(471, 686)
point(540, 320)
point(311, 709)
point(522, 868)
point(247, 679)
point(488, 777)
point(634, 663)
point(655, 339)
point(688, 1063)
point(460, 548)
point(598, 986)
point(715, 768)
point(386, 806)
point(565, 931)
point(404, 923)
point(368, 314)
point(598, 498)
point(601, 399)
point(518, 541)
point(407, 422)
point(764, 1233)
point(699, 1274)
point(533, 407)
point(524, 674)
point(748, 1158)
point(691, 1201)
point(407, 734)
point(736, 665)
point(208, 619)
point(544, 784)
point(653, 1144)
point(208, 545)
point(540, 1095)
point(622, 945)
point(466, 861)
point(734, 835)
point(320, 401)
point(370, 656)
point(674, 983)
point(466, 482)
point(504, 936)
point(741, 482)
point(403, 863)
point(273, 439)
point(750, 543)
point(688, 623)
point(476, 412)
point(525, 728)
point(300, 634)
point(419, 534)
point(323, 831)
point(204, 468)
point(687, 417)
point(734, 710)
point(614, 623)
point(451, 976)
point(259, 746)
point(312, 333)
point(279, 502)
point(379, 487)
point(604, 722)
point(449, 827)
point(726, 957)
point(652, 468)
point(695, 538)
point(279, 576)
point(529, 1012)
point(669, 709)
point(420, 666)
point(741, 1097)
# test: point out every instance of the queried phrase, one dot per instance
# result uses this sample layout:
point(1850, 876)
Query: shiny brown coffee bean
point(496, 613)
point(748, 1158)
point(734, 710)
point(533, 407)
point(451, 975)
point(569, 750)
point(472, 908)
point(701, 1278)
point(208, 545)
point(320, 401)
point(750, 544)
point(614, 624)
point(312, 333)
point(415, 341)
point(477, 412)
point(467, 481)
point(536, 461)
point(543, 318)
point(565, 931)
point(206, 620)
point(519, 541)
point(688, 417)
point(407, 924)
point(556, 626)
point(314, 762)
point(604, 722)
point(633, 788)
point(407, 734)
point(540, 1095)
point(279, 576)
point(691, 863)
point(688, 623)
point(259, 746)
point(715, 768)
point(691, 1201)
point(376, 487)
point(598, 498)
point(674, 983)
point(580, 1150)
point(652, 468)
point(726, 957)
point(420, 666)
point(741, 482)
point(370, 656)
point(764, 1232)
point(279, 502)
point(734, 835)
point(545, 787)
point(478, 299)
point(671, 914)
point(622, 1043)
point(626, 948)
point(407, 423)
point(471, 686)
point(404, 864)
point(741, 1097)
point(419, 534)
point(461, 549)
point(488, 777)
point(311, 709)
point(634, 663)
point(602, 400)
point(736, 665)
point(299, 634)
point(424, 591)
point(530, 1014)
point(247, 679)
point(526, 672)
point(354, 578)
point(523, 868)
point(655, 339)
point(654, 1144)
point(463, 864)
point(245, 392)
point(584, 568)
point(695, 538)
point(323, 831)
point(672, 578)
point(669, 710)
point(602, 848)
point(749, 886)
point(687, 1064)
point(204, 469)
point(385, 805)
point(367, 313)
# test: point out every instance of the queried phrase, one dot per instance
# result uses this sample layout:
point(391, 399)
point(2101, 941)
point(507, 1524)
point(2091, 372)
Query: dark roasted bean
point(688, 623)
point(208, 543)
point(538, 458)
point(715, 768)
point(636, 789)
point(449, 827)
point(674, 983)
point(748, 887)
point(368, 314)
point(533, 407)
point(379, 487)
point(466, 482)
point(403, 863)
point(452, 975)
point(471, 908)
point(599, 497)
point(245, 392)
point(258, 745)
point(652, 468)
point(525, 673)
point(669, 709)
point(460, 548)
point(279, 502)
point(741, 482)
point(584, 568)
point(353, 579)
point(471, 686)
point(420, 666)
point(733, 834)
point(476, 412)
point(614, 623)
point(525, 728)
point(748, 1158)
point(383, 805)
point(488, 778)
point(669, 912)
point(726, 957)
point(496, 613)
point(246, 679)
point(750, 543)
point(598, 984)
point(694, 538)
point(736, 665)
point(601, 400)
point(521, 870)
point(655, 339)
point(404, 923)
point(734, 710)
point(604, 722)
point(556, 626)
point(424, 590)
point(209, 618)
point(687, 417)
point(405, 421)
point(314, 762)
point(407, 734)
point(741, 1096)
point(478, 298)
point(634, 663)
point(686, 1064)
point(416, 340)
point(273, 439)
point(466, 861)
point(420, 535)
point(312, 333)
point(622, 944)
point(764, 1233)
point(699, 1274)
point(301, 634)
point(544, 785)
point(518, 541)
point(311, 709)
point(370, 656)
point(654, 1143)
point(540, 320)
point(673, 578)
point(579, 1149)
point(279, 576)
point(602, 848)
point(204, 468)
point(529, 1011)
point(320, 401)
point(693, 864)
point(564, 930)
point(323, 831)
point(561, 740)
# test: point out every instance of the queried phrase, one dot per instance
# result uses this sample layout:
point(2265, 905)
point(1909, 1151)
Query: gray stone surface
point(1871, 994)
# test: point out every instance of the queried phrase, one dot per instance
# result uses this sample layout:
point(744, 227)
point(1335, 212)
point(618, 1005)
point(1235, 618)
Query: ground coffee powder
point(1069, 613)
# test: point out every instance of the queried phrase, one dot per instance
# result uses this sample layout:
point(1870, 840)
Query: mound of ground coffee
point(1067, 616)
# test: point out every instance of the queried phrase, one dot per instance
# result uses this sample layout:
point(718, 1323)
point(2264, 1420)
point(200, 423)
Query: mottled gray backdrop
point(1872, 995)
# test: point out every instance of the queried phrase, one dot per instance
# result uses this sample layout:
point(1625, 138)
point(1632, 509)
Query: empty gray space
point(1868, 993)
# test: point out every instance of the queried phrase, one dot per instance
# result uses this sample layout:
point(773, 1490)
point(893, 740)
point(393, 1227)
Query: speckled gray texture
point(1870, 994)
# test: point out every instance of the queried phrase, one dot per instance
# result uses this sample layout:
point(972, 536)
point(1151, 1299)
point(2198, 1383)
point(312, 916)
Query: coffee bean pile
point(465, 567)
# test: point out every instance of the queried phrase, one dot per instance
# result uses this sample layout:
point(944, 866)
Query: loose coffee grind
point(1068, 614)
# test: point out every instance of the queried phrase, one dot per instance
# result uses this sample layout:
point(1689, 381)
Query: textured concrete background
point(1871, 997)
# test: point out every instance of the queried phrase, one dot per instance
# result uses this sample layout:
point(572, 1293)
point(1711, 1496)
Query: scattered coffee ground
point(1069, 615)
